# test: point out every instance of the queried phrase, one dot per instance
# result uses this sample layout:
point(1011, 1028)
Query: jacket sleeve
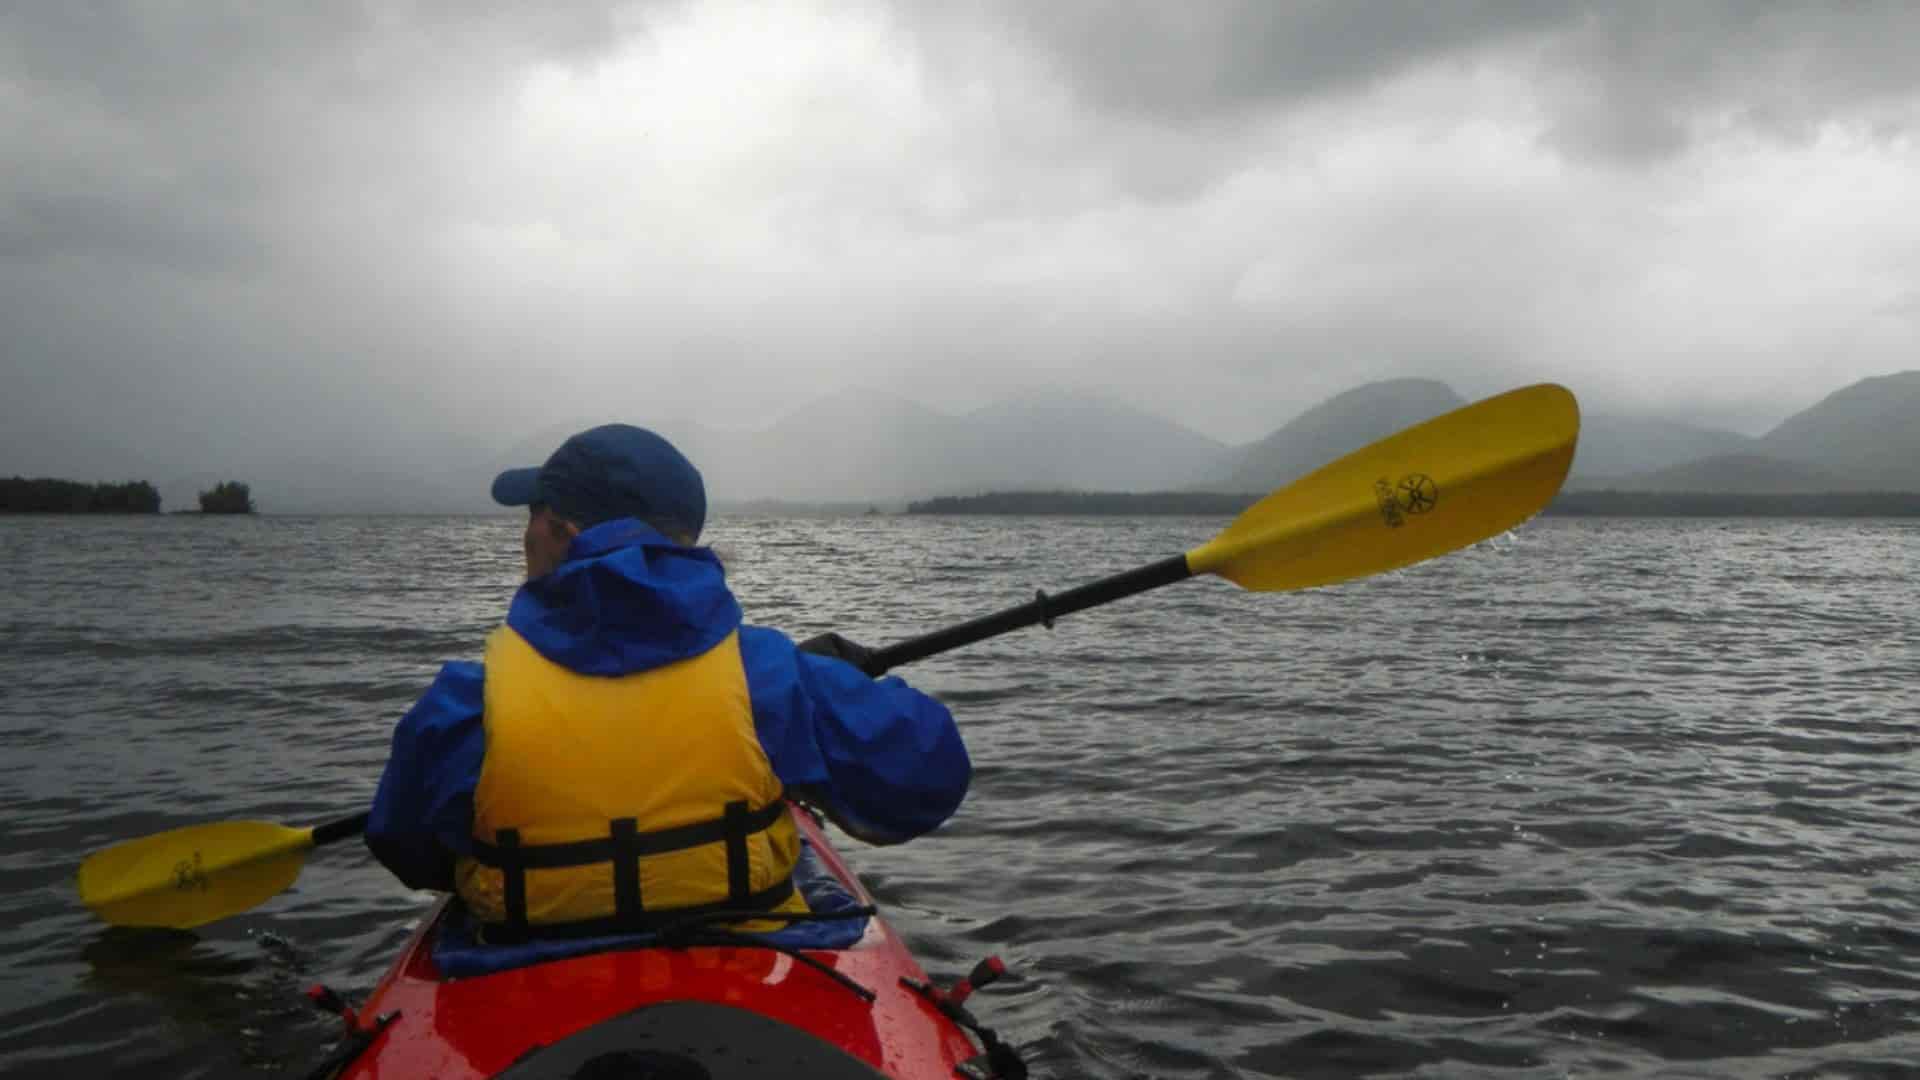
point(884, 760)
point(422, 814)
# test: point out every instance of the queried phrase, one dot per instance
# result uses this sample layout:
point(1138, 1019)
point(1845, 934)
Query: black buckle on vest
point(738, 867)
point(513, 873)
point(626, 869)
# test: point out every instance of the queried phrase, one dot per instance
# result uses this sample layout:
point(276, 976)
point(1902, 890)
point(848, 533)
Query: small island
point(229, 497)
point(46, 495)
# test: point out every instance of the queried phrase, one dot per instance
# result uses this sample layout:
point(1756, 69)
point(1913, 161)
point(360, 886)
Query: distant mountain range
point(1861, 438)
point(861, 447)
point(1332, 429)
point(865, 447)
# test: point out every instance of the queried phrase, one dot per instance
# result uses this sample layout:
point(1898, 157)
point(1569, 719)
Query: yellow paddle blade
point(1435, 487)
point(187, 877)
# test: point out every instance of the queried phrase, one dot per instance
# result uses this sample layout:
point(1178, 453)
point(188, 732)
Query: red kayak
point(837, 997)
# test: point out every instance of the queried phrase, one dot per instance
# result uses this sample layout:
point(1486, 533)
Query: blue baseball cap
point(613, 471)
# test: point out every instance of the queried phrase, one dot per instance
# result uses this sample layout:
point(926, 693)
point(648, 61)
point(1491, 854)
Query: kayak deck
point(729, 1009)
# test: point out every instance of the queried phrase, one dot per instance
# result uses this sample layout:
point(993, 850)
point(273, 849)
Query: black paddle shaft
point(1042, 609)
point(340, 830)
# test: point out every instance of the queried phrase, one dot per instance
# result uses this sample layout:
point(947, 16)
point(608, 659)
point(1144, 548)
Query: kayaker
point(621, 754)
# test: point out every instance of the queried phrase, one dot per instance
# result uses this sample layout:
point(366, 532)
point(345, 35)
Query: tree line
point(46, 495)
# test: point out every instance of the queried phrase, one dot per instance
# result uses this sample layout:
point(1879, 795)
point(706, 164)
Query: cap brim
point(517, 487)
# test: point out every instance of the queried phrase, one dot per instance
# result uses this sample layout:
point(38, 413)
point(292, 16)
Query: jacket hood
point(627, 599)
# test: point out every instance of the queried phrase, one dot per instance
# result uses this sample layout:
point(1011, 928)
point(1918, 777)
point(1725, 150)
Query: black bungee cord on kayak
point(360, 1031)
point(698, 930)
point(1000, 1061)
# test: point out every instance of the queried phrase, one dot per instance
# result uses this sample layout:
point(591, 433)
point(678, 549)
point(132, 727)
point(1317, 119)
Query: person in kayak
point(622, 753)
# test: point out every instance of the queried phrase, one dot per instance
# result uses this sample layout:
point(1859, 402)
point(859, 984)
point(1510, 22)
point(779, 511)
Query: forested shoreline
point(1717, 504)
point(45, 495)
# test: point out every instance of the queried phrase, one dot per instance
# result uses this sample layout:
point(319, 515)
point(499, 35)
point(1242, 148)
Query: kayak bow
point(709, 1004)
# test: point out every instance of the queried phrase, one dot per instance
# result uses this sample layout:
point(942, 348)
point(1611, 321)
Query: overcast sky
point(390, 227)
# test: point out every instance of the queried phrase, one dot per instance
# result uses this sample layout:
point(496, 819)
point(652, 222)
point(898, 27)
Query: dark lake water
point(1598, 797)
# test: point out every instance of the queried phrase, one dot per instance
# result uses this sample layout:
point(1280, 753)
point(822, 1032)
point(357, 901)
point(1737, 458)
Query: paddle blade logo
point(187, 875)
point(1416, 493)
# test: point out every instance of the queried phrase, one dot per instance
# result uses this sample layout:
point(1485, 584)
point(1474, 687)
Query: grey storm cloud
point(184, 130)
point(1198, 63)
point(1628, 80)
point(389, 230)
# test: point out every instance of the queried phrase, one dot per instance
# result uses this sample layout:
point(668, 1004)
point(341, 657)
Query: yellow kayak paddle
point(1437, 486)
point(187, 877)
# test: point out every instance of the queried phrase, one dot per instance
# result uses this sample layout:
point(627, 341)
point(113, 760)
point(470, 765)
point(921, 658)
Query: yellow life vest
point(606, 804)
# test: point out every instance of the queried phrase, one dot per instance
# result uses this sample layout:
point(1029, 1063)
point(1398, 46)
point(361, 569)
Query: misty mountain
point(1613, 447)
point(851, 445)
point(1332, 429)
point(1859, 438)
point(1082, 443)
point(866, 445)
point(862, 445)
point(1867, 433)
point(1733, 474)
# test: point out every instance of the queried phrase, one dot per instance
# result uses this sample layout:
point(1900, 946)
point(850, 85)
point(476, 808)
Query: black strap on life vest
point(622, 848)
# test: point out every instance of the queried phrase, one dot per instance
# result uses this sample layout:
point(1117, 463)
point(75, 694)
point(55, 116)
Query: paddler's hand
point(839, 648)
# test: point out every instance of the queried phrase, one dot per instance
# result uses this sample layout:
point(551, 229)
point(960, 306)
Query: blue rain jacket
point(885, 761)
